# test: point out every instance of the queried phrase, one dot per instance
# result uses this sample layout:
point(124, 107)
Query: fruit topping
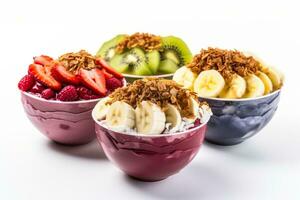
point(68, 93)
point(145, 54)
point(86, 94)
point(42, 75)
point(113, 83)
point(228, 74)
point(94, 79)
point(48, 93)
point(108, 49)
point(42, 60)
point(38, 88)
point(56, 79)
point(61, 74)
point(107, 68)
point(26, 83)
point(151, 106)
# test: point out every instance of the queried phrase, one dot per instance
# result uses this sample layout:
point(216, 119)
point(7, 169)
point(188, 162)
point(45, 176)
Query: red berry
point(197, 122)
point(68, 93)
point(48, 93)
point(26, 83)
point(37, 88)
point(86, 94)
point(113, 83)
point(43, 75)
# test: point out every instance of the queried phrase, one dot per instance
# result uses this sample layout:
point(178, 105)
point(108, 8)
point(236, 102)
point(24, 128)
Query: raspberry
point(68, 93)
point(48, 93)
point(86, 94)
point(113, 83)
point(26, 83)
point(37, 88)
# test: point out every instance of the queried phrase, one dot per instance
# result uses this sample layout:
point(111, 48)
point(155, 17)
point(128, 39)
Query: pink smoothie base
point(67, 123)
point(150, 158)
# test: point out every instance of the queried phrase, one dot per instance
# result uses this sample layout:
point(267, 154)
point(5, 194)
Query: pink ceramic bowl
point(63, 122)
point(150, 158)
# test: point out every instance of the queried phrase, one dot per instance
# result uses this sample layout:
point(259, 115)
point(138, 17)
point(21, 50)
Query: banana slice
point(185, 77)
point(173, 117)
point(100, 110)
point(235, 89)
point(194, 108)
point(267, 82)
point(255, 87)
point(209, 83)
point(149, 118)
point(120, 116)
point(274, 75)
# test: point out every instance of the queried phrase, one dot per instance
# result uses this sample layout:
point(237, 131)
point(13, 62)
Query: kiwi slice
point(175, 49)
point(153, 59)
point(119, 63)
point(133, 62)
point(167, 66)
point(107, 50)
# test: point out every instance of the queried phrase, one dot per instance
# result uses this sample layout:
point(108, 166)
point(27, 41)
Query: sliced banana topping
point(255, 87)
point(209, 83)
point(235, 89)
point(267, 82)
point(194, 108)
point(120, 116)
point(150, 119)
point(185, 77)
point(173, 117)
point(100, 110)
point(274, 75)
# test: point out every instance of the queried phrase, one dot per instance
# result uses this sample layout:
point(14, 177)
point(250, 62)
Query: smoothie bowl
point(58, 95)
point(243, 93)
point(143, 55)
point(152, 128)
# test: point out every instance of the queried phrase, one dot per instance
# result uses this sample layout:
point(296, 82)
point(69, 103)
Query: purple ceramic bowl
point(63, 122)
point(150, 158)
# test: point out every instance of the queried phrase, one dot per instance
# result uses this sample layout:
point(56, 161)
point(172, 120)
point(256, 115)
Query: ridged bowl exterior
point(150, 158)
point(234, 121)
point(68, 123)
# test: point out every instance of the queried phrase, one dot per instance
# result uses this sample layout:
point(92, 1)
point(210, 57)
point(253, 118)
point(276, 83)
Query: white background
point(265, 167)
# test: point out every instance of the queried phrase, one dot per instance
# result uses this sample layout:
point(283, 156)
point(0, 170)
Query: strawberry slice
point(108, 68)
point(94, 79)
point(44, 76)
point(106, 74)
point(42, 60)
point(61, 74)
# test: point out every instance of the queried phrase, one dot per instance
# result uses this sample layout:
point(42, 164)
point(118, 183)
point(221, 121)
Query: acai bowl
point(152, 128)
point(58, 95)
point(243, 93)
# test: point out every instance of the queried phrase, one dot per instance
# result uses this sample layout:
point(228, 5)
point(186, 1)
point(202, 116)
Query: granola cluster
point(158, 91)
point(227, 62)
point(145, 41)
point(74, 61)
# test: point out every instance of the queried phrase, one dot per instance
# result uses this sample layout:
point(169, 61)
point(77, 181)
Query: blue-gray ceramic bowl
point(236, 120)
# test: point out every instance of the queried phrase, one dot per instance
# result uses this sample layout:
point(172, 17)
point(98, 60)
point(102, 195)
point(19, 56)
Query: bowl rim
point(242, 99)
point(147, 76)
point(57, 101)
point(145, 135)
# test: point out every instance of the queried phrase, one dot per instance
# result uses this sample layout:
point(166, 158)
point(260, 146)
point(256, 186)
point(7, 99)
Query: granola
point(145, 41)
point(227, 62)
point(74, 61)
point(158, 91)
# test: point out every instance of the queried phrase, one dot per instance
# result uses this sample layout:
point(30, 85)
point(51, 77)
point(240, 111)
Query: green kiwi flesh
point(107, 50)
point(175, 49)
